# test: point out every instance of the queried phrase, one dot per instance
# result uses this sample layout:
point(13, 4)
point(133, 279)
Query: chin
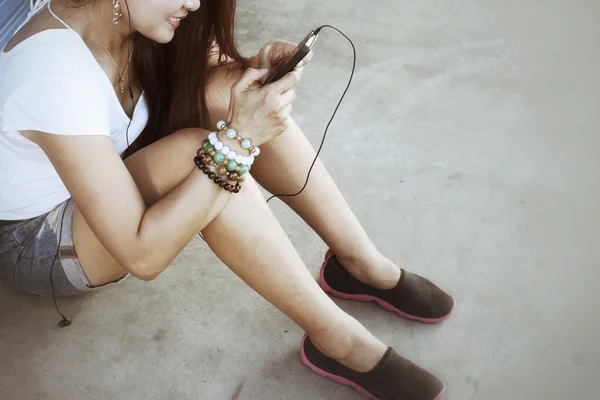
point(164, 39)
point(161, 36)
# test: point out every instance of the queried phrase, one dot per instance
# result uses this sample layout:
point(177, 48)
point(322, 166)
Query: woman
point(82, 80)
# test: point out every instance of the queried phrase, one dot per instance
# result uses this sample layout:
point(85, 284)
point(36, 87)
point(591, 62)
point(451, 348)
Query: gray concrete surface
point(468, 147)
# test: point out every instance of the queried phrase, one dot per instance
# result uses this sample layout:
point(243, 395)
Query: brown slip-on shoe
point(393, 378)
point(414, 297)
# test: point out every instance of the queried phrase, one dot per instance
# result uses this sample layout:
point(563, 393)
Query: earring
point(117, 14)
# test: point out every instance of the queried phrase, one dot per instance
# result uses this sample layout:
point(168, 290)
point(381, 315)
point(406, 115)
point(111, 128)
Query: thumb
point(250, 76)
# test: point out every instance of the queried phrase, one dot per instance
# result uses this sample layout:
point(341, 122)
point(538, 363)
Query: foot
point(393, 378)
point(412, 297)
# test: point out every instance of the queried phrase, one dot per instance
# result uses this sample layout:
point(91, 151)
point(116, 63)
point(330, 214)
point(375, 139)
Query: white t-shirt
point(51, 82)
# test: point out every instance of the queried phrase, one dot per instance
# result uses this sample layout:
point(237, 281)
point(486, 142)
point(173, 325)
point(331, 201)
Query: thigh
point(156, 169)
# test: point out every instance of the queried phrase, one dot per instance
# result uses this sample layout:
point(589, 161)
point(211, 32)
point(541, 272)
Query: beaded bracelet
point(213, 140)
point(224, 169)
point(217, 180)
point(224, 164)
point(244, 142)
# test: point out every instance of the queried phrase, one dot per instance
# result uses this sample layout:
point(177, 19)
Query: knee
point(250, 195)
point(190, 137)
point(185, 142)
point(174, 153)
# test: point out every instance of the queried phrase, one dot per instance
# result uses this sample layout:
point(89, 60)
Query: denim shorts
point(34, 260)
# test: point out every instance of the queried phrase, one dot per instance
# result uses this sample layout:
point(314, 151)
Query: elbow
point(144, 271)
point(145, 264)
point(146, 276)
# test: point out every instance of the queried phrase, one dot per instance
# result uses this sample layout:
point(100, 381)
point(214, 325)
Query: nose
point(192, 5)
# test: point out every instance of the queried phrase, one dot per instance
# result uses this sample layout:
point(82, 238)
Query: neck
point(116, 37)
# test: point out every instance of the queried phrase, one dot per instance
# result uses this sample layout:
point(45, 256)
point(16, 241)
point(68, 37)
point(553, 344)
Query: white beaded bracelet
point(227, 152)
point(244, 142)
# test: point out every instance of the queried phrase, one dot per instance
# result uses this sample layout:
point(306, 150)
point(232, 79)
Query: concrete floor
point(468, 148)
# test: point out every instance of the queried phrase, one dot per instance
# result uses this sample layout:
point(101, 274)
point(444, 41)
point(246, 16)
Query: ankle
point(356, 254)
point(335, 341)
point(358, 261)
point(350, 344)
point(372, 268)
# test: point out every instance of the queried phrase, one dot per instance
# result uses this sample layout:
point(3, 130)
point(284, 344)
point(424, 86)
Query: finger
point(290, 80)
point(288, 97)
point(249, 76)
point(263, 79)
point(306, 59)
point(309, 56)
point(299, 70)
point(264, 55)
point(285, 113)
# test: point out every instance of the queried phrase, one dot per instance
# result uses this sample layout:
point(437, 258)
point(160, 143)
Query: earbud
point(64, 322)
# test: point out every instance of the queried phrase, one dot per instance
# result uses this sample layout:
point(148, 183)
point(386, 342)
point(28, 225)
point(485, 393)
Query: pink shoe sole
point(340, 379)
point(367, 298)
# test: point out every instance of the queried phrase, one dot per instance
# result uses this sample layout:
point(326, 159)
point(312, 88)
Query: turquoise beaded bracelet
point(224, 167)
point(244, 142)
point(213, 139)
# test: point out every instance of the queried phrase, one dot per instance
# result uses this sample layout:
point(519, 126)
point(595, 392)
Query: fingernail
point(263, 70)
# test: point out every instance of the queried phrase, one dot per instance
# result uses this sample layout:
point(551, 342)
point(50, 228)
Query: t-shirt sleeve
point(60, 105)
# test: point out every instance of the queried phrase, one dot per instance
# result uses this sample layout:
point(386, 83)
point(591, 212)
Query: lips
point(174, 21)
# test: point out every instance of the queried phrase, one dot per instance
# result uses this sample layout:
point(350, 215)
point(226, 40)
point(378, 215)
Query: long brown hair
point(173, 76)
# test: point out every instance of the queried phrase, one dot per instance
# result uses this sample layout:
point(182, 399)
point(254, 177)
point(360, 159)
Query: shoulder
point(59, 51)
point(47, 84)
point(51, 63)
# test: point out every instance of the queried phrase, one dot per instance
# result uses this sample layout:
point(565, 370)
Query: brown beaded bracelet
point(217, 180)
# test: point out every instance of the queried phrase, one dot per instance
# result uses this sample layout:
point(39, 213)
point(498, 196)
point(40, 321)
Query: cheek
point(160, 34)
point(150, 18)
point(156, 29)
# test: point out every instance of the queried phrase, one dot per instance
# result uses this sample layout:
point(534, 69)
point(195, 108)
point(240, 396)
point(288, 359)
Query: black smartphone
point(302, 51)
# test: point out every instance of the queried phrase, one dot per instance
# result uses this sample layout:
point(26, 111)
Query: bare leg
point(249, 240)
point(282, 168)
point(322, 206)
point(245, 235)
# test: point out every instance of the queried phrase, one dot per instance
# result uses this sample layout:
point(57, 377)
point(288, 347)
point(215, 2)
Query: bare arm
point(144, 240)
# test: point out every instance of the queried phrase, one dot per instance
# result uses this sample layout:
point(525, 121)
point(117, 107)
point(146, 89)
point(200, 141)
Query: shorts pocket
point(9, 261)
point(7, 240)
point(26, 231)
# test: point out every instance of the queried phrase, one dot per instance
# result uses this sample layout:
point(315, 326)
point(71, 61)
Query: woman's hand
point(261, 113)
point(275, 54)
